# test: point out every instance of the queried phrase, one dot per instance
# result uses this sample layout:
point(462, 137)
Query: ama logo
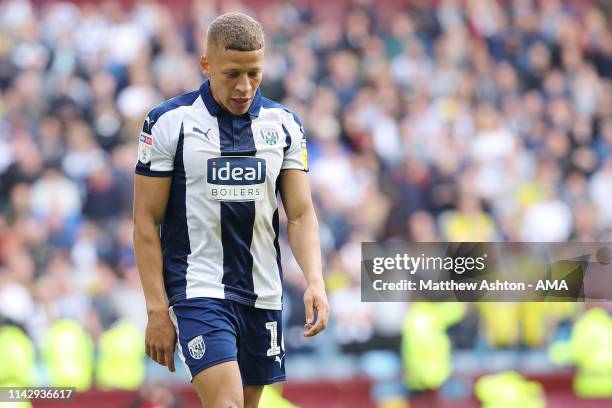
point(235, 178)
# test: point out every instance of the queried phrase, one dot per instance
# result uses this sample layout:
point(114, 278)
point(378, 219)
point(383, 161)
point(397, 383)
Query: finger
point(321, 323)
point(323, 314)
point(308, 309)
point(310, 332)
point(154, 354)
point(159, 356)
point(147, 349)
point(315, 329)
point(170, 359)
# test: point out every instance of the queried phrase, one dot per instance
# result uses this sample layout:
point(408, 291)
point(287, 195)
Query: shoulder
point(169, 105)
point(288, 116)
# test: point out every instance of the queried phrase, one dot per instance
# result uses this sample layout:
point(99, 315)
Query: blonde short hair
point(235, 31)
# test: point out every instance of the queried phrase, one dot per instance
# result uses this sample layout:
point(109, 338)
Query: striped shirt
point(219, 234)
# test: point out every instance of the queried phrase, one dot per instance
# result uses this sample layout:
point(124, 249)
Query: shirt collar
point(214, 108)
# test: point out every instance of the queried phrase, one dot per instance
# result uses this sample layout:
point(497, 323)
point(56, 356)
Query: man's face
point(234, 77)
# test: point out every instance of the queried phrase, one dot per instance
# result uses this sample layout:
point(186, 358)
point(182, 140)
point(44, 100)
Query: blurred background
point(446, 120)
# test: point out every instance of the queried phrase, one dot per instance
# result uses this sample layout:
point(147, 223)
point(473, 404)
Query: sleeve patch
point(144, 148)
point(304, 153)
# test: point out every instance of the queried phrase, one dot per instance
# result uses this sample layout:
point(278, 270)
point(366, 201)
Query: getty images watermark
point(479, 271)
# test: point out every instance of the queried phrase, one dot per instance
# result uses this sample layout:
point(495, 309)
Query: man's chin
point(239, 111)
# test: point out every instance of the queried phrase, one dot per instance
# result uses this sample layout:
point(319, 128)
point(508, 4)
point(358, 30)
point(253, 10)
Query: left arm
point(303, 231)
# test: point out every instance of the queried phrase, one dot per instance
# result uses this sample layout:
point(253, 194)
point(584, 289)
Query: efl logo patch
point(232, 178)
point(145, 144)
point(146, 139)
point(269, 135)
point(197, 348)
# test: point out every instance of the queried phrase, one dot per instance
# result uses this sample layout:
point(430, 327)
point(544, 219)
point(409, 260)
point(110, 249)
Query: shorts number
point(274, 349)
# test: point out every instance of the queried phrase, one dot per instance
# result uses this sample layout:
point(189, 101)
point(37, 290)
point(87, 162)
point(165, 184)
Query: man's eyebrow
point(232, 70)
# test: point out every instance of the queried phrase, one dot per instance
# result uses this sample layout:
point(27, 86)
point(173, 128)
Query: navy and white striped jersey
point(219, 234)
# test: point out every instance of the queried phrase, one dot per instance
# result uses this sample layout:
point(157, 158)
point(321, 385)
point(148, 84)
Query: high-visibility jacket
point(121, 358)
point(68, 355)
point(590, 349)
point(272, 398)
point(16, 357)
point(500, 321)
point(508, 390)
point(426, 348)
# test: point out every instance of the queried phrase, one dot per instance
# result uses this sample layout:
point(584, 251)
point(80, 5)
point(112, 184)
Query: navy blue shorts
point(212, 331)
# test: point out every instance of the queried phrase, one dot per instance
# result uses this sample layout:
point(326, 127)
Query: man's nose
point(243, 85)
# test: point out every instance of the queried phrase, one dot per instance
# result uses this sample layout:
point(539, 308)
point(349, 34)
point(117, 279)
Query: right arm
point(150, 200)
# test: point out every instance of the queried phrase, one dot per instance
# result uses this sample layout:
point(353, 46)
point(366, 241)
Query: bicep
point(150, 198)
point(295, 193)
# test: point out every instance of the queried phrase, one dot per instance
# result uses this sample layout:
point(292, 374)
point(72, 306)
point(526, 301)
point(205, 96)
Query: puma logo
point(279, 360)
point(195, 129)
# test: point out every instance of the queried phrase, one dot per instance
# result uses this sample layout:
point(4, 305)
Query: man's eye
point(254, 74)
point(232, 75)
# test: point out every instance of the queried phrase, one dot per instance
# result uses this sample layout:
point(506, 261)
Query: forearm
point(147, 249)
point(303, 235)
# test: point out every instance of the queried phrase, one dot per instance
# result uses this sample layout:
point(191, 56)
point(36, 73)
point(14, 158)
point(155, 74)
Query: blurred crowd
point(473, 120)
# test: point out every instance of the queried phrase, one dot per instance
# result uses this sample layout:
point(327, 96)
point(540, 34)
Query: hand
point(315, 300)
point(160, 338)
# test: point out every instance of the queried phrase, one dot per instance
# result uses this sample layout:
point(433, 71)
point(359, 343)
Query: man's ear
point(204, 65)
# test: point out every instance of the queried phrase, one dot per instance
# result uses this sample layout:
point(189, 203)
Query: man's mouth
point(240, 101)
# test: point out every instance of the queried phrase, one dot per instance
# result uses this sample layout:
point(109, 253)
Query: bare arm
point(303, 231)
point(150, 199)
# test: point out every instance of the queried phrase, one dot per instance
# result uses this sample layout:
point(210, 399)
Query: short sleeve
point(296, 154)
point(155, 148)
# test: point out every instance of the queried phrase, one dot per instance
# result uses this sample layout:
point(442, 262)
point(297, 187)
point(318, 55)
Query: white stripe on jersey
point(205, 263)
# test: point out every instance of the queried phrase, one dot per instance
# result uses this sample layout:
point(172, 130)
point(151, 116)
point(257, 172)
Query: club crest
point(197, 347)
point(269, 135)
